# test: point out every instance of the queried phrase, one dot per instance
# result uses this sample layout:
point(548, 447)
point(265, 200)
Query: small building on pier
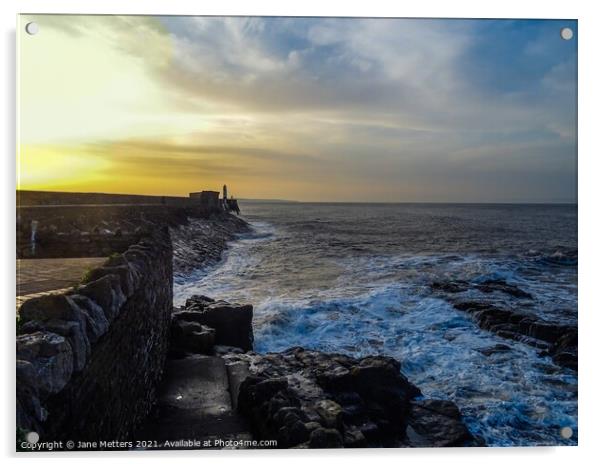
point(208, 199)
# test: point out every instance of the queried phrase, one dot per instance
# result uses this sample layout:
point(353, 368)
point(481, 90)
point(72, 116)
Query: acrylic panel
point(290, 232)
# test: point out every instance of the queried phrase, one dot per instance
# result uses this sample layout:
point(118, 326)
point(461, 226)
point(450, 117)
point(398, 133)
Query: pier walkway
point(197, 401)
point(37, 277)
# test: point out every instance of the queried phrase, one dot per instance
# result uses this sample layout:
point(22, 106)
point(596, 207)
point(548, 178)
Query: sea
point(355, 278)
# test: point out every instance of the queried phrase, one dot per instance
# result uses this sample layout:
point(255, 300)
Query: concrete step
point(195, 404)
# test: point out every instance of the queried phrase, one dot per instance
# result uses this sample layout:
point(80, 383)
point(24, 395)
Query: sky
point(309, 109)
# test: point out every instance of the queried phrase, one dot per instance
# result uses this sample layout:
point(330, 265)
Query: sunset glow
point(303, 109)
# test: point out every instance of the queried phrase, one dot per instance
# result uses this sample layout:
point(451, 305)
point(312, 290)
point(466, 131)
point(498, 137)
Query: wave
point(361, 304)
point(442, 351)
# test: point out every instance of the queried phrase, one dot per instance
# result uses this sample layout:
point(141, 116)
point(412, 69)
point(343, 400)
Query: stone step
point(237, 373)
point(194, 404)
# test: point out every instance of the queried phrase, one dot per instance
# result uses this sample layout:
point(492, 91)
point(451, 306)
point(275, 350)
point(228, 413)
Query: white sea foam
point(369, 304)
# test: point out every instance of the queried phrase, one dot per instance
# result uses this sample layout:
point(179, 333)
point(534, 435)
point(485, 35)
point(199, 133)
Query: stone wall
point(93, 230)
point(89, 361)
point(33, 198)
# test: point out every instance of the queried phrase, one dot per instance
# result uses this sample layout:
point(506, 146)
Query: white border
point(590, 82)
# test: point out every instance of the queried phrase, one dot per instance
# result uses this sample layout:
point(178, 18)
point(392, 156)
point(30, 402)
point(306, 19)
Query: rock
point(334, 378)
point(73, 333)
point(256, 391)
point(107, 293)
point(26, 374)
point(192, 336)
point(293, 431)
point(29, 412)
point(29, 409)
point(59, 314)
point(565, 349)
point(330, 412)
point(51, 307)
point(455, 286)
point(354, 439)
point(96, 321)
point(499, 348)
point(564, 257)
point(296, 433)
point(321, 400)
point(325, 438)
point(123, 272)
point(198, 301)
point(232, 322)
point(201, 242)
point(379, 378)
point(221, 350)
point(560, 341)
point(51, 360)
point(546, 331)
point(489, 286)
point(486, 286)
point(436, 423)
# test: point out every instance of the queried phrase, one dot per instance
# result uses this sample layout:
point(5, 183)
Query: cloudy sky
point(394, 110)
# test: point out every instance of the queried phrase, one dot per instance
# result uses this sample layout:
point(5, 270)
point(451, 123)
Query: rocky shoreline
point(200, 242)
point(559, 341)
point(297, 398)
point(311, 399)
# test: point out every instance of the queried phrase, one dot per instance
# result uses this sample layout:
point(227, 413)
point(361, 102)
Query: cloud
point(457, 105)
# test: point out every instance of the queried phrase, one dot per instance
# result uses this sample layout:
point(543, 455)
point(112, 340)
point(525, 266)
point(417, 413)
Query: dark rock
point(257, 390)
point(297, 433)
point(29, 409)
point(325, 438)
point(232, 322)
point(201, 242)
point(330, 412)
point(564, 350)
point(560, 341)
point(293, 431)
point(59, 314)
point(72, 331)
point(107, 293)
point(436, 423)
point(126, 280)
point(51, 307)
point(334, 378)
point(96, 321)
point(51, 360)
point(371, 432)
point(221, 350)
point(546, 331)
point(192, 336)
point(199, 301)
point(379, 378)
point(354, 439)
point(455, 286)
point(486, 286)
point(499, 348)
point(320, 400)
point(563, 257)
point(490, 286)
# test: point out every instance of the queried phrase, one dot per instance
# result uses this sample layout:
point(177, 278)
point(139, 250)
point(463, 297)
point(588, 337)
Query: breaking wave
point(329, 297)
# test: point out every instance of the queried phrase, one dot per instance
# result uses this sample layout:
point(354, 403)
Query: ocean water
point(355, 278)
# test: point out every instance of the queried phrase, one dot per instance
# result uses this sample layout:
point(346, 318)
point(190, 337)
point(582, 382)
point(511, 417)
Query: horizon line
point(276, 200)
point(412, 202)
